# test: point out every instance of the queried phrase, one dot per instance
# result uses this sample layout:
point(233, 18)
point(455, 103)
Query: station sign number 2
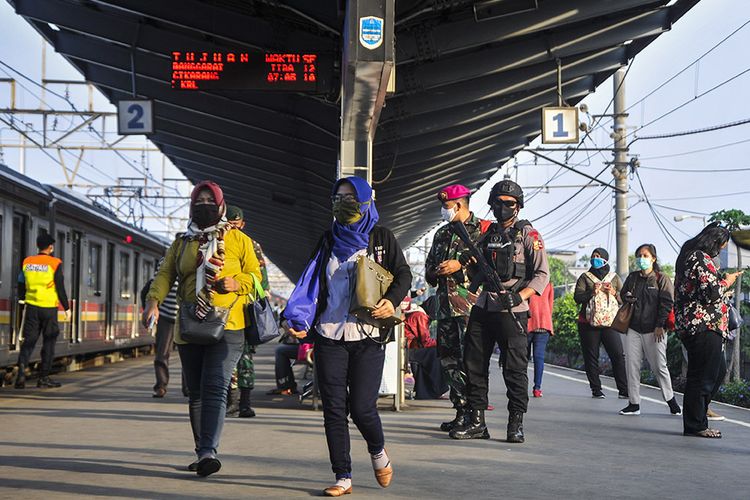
point(135, 116)
point(560, 125)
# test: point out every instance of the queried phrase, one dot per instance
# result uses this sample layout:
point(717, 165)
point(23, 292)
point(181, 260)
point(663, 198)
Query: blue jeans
point(349, 376)
point(539, 340)
point(208, 370)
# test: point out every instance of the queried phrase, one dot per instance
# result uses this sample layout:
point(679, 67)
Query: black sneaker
point(623, 396)
point(193, 467)
point(208, 466)
point(631, 409)
point(674, 408)
point(46, 382)
point(598, 395)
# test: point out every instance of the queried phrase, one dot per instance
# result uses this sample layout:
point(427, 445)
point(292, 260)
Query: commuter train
point(106, 263)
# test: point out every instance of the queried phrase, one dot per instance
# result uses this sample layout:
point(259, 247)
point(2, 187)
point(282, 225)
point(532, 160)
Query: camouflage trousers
point(450, 341)
point(243, 376)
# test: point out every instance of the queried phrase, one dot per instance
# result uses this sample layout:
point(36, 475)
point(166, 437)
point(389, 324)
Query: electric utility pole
point(620, 172)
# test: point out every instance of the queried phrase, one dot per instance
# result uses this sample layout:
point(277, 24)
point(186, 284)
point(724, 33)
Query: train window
point(95, 269)
point(60, 246)
point(125, 281)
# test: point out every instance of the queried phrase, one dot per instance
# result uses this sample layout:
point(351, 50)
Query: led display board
point(242, 70)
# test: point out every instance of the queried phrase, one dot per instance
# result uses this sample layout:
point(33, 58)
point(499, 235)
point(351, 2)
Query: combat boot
point(21, 377)
point(515, 427)
point(459, 419)
point(472, 428)
point(245, 409)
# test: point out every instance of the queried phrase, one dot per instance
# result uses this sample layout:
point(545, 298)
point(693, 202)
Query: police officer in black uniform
point(516, 252)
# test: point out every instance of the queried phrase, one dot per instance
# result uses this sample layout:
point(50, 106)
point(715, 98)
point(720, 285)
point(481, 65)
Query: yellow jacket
point(240, 263)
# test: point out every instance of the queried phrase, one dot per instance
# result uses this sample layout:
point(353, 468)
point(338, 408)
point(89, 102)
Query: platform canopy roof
point(470, 83)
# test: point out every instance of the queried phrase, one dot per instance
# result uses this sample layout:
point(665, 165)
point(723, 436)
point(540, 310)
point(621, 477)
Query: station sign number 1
point(560, 125)
point(135, 116)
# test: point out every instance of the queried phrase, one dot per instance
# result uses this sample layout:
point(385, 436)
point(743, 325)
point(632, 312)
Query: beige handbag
point(370, 285)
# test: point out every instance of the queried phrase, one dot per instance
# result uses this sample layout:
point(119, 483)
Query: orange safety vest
point(39, 276)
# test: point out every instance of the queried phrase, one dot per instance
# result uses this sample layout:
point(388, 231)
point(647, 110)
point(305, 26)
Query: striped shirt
point(168, 308)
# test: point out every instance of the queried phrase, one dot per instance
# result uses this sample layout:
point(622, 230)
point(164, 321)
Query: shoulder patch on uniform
point(536, 240)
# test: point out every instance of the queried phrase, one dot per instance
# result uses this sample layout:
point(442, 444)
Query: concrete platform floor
point(102, 435)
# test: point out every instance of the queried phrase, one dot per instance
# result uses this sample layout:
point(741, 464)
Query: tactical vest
point(500, 248)
point(39, 277)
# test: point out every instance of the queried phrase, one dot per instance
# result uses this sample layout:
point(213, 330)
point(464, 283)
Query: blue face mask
point(598, 262)
point(643, 263)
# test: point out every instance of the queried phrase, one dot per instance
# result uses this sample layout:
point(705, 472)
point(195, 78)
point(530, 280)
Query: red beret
point(453, 192)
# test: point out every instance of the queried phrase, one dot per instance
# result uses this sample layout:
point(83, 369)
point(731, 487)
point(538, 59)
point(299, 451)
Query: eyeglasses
point(343, 197)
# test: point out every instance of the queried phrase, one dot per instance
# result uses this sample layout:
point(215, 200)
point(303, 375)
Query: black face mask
point(503, 213)
point(205, 215)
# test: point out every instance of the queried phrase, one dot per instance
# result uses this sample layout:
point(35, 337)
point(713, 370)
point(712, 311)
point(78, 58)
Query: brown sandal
point(706, 433)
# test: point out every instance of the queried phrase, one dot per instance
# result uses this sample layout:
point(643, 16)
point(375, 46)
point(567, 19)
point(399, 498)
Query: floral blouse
point(699, 297)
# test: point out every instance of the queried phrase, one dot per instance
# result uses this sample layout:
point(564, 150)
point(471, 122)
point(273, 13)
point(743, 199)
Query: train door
point(62, 252)
point(75, 289)
point(109, 303)
point(93, 313)
point(6, 287)
point(138, 286)
point(124, 298)
point(19, 250)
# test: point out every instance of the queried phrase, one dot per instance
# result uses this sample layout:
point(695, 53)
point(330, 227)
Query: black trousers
point(591, 339)
point(163, 347)
point(706, 369)
point(484, 330)
point(39, 320)
point(450, 337)
point(358, 368)
point(285, 355)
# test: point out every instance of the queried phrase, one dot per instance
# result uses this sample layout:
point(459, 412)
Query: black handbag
point(207, 331)
point(735, 321)
point(260, 323)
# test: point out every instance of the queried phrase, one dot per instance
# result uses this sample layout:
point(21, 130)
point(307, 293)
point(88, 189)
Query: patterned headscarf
point(211, 250)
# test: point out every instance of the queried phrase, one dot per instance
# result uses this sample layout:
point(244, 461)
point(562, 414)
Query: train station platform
point(103, 435)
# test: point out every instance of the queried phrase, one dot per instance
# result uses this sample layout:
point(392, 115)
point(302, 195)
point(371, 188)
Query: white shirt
point(335, 322)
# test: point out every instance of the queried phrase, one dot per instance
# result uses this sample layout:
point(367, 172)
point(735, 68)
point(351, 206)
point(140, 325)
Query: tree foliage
point(733, 218)
point(565, 322)
point(558, 272)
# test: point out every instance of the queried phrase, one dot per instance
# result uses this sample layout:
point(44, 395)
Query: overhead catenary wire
point(128, 161)
point(692, 132)
point(702, 150)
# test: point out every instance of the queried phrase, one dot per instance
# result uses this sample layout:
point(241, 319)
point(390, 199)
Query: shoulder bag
point(260, 323)
point(210, 329)
point(369, 286)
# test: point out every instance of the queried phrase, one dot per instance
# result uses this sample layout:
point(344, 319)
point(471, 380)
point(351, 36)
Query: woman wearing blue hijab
point(349, 354)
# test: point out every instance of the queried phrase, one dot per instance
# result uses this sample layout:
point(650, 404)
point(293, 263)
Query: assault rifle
point(486, 271)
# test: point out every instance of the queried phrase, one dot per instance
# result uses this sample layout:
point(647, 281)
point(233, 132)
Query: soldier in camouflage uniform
point(453, 299)
point(243, 378)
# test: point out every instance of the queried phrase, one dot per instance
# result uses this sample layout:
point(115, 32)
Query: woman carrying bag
point(215, 267)
point(599, 280)
point(701, 318)
point(651, 294)
point(349, 353)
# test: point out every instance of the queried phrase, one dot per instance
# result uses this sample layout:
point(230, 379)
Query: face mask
point(448, 214)
point(347, 212)
point(503, 213)
point(643, 263)
point(205, 215)
point(598, 263)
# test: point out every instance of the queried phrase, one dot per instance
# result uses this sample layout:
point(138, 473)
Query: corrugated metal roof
point(468, 95)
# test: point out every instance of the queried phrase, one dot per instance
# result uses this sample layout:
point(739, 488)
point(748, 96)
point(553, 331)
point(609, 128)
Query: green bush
point(736, 392)
point(565, 321)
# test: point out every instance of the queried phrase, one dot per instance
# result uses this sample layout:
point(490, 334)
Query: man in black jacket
point(515, 250)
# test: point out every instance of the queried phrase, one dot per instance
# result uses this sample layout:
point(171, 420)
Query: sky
point(699, 187)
